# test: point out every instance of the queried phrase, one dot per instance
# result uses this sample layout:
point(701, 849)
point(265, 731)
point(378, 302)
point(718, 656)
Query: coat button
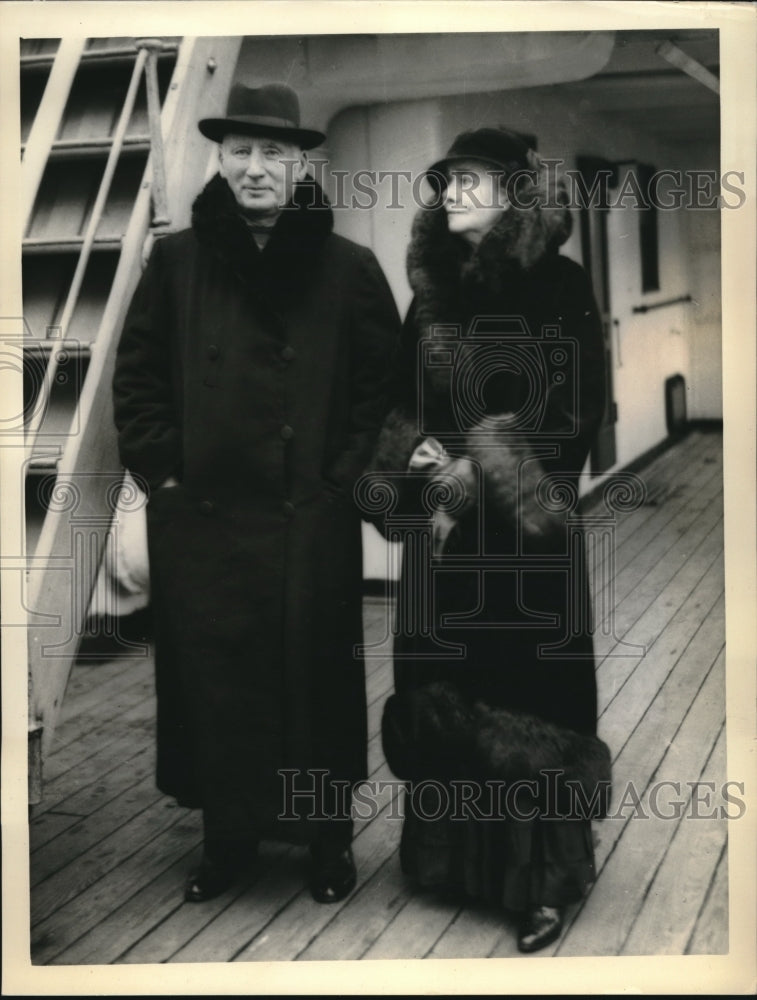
point(212, 352)
point(288, 508)
point(287, 353)
point(286, 432)
point(206, 507)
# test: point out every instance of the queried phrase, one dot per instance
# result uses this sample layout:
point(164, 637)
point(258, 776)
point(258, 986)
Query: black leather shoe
point(223, 863)
point(210, 880)
point(541, 926)
point(333, 877)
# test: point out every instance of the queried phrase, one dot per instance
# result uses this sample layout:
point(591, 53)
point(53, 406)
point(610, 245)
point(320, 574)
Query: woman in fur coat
point(500, 391)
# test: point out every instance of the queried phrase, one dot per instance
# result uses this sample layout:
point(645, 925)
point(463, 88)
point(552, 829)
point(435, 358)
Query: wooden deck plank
point(96, 725)
point(630, 869)
point(125, 925)
point(88, 832)
point(667, 917)
point(672, 616)
point(285, 931)
point(98, 752)
point(419, 927)
point(47, 826)
point(101, 858)
point(675, 474)
point(474, 933)
point(415, 929)
point(380, 683)
point(377, 631)
point(642, 753)
point(375, 710)
point(375, 753)
point(153, 904)
point(654, 596)
point(138, 864)
point(102, 693)
point(473, 923)
point(634, 533)
point(619, 719)
point(84, 675)
point(279, 877)
point(88, 799)
point(710, 934)
point(126, 905)
point(367, 913)
point(240, 911)
point(653, 566)
point(638, 529)
point(670, 467)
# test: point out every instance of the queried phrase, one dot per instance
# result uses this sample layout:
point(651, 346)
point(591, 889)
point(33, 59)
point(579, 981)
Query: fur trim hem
point(433, 733)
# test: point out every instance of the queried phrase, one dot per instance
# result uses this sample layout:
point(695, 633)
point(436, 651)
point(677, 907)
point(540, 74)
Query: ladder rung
point(114, 56)
point(79, 148)
point(69, 244)
point(76, 347)
point(43, 463)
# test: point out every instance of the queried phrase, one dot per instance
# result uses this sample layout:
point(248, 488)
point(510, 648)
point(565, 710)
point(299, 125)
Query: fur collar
point(452, 281)
point(285, 266)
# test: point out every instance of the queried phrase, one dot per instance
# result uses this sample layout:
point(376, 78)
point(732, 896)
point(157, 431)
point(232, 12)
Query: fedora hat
point(272, 110)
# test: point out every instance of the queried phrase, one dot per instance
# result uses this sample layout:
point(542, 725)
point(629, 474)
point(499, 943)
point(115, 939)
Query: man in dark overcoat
point(250, 382)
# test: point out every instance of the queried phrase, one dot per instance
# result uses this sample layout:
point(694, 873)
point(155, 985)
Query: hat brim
point(437, 170)
point(216, 128)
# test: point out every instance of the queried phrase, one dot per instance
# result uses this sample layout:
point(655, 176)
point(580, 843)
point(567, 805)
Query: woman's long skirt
point(520, 646)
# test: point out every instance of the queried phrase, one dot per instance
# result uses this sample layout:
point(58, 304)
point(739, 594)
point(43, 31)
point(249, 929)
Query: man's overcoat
point(257, 380)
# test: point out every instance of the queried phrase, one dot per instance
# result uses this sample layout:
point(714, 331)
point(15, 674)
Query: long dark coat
point(258, 380)
point(502, 361)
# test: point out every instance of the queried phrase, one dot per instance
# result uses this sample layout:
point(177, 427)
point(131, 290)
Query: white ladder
point(84, 476)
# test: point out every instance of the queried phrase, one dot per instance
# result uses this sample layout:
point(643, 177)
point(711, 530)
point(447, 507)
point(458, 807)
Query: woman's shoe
point(541, 926)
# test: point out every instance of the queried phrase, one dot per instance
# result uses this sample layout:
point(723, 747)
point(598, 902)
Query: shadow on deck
point(110, 853)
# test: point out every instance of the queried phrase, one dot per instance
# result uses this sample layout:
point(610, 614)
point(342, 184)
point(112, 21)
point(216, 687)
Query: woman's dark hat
point(272, 110)
point(496, 147)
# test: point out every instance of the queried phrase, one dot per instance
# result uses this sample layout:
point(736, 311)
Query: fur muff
point(511, 475)
point(398, 438)
point(507, 468)
point(432, 732)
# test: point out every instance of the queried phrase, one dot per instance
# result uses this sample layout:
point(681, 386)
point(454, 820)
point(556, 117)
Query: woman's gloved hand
point(457, 482)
